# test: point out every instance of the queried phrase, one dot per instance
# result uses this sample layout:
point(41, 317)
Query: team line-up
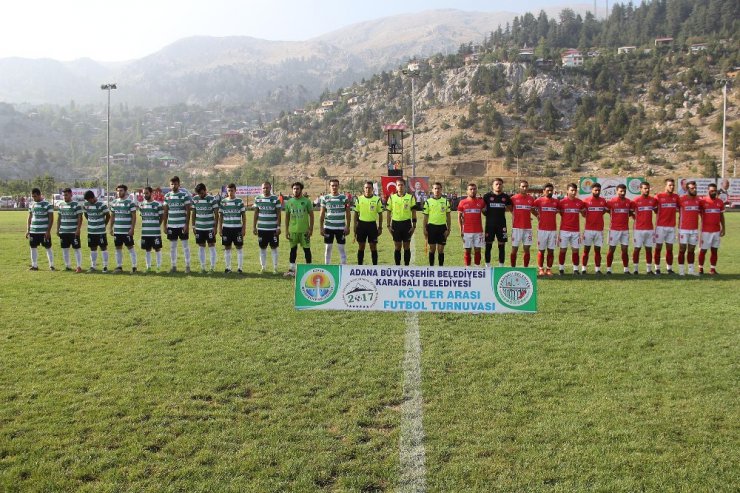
point(210, 217)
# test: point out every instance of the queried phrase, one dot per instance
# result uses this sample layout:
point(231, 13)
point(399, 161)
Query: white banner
point(245, 190)
point(729, 188)
point(418, 289)
point(609, 186)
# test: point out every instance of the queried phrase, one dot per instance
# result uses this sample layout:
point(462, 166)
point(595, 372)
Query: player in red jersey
point(619, 229)
point(593, 234)
point(642, 210)
point(521, 231)
point(570, 209)
point(470, 214)
point(689, 207)
point(712, 227)
point(665, 231)
point(547, 228)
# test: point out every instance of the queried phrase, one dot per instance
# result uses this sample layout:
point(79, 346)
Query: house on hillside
point(663, 42)
point(697, 47)
point(322, 111)
point(257, 133)
point(526, 54)
point(232, 136)
point(413, 66)
point(572, 58)
point(299, 111)
point(625, 49)
point(353, 100)
point(329, 103)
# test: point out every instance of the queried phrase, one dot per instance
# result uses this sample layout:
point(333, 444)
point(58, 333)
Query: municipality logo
point(317, 285)
point(515, 288)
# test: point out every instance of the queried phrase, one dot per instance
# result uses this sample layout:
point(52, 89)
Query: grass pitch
point(215, 383)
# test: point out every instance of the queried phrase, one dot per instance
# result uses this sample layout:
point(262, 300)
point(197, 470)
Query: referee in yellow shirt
point(402, 221)
point(368, 222)
point(437, 223)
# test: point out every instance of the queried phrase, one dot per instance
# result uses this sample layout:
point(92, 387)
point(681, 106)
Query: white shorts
point(709, 240)
point(665, 234)
point(619, 238)
point(570, 239)
point(474, 240)
point(521, 236)
point(593, 238)
point(688, 236)
point(546, 240)
point(642, 238)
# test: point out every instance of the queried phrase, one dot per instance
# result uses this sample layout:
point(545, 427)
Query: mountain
point(245, 70)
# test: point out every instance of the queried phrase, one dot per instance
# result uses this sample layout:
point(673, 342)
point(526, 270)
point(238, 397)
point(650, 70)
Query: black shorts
point(436, 234)
point(120, 240)
point(330, 234)
point(497, 232)
point(232, 236)
point(401, 230)
point(203, 236)
point(69, 240)
point(36, 239)
point(174, 234)
point(367, 231)
point(268, 237)
point(149, 242)
point(95, 241)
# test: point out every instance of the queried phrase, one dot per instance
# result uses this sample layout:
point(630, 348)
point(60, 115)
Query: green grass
point(214, 383)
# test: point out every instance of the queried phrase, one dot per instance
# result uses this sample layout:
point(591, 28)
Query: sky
point(129, 29)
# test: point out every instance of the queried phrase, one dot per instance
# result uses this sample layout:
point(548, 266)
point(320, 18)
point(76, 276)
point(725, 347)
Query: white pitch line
point(412, 453)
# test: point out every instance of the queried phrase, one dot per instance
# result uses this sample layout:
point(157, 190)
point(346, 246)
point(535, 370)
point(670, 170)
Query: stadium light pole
point(107, 87)
point(413, 74)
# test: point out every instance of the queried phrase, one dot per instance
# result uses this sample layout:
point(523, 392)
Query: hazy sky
point(126, 29)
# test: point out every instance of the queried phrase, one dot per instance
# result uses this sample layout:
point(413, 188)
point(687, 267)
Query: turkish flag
point(389, 185)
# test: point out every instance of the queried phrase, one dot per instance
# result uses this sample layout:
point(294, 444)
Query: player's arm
point(51, 222)
point(244, 223)
point(165, 215)
point(133, 221)
point(278, 206)
point(58, 223)
point(380, 217)
point(28, 224)
point(220, 223)
point(389, 224)
point(722, 224)
point(215, 218)
point(310, 220)
point(322, 217)
point(255, 217)
point(188, 214)
point(79, 222)
point(112, 221)
point(287, 223)
point(347, 219)
point(425, 222)
point(460, 219)
point(356, 220)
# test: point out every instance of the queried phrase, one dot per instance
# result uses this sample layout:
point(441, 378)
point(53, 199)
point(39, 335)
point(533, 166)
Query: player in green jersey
point(98, 218)
point(68, 229)
point(177, 210)
point(402, 221)
point(152, 216)
point(368, 222)
point(266, 225)
point(298, 226)
point(232, 227)
point(205, 222)
point(122, 225)
point(437, 223)
point(334, 221)
point(38, 230)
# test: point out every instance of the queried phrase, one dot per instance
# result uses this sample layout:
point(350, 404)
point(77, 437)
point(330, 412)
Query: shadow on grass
point(642, 277)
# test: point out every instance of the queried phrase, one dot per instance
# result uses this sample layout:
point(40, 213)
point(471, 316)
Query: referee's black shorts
point(436, 234)
point(367, 231)
point(401, 230)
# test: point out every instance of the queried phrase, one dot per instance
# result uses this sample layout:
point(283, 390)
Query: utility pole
point(108, 87)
